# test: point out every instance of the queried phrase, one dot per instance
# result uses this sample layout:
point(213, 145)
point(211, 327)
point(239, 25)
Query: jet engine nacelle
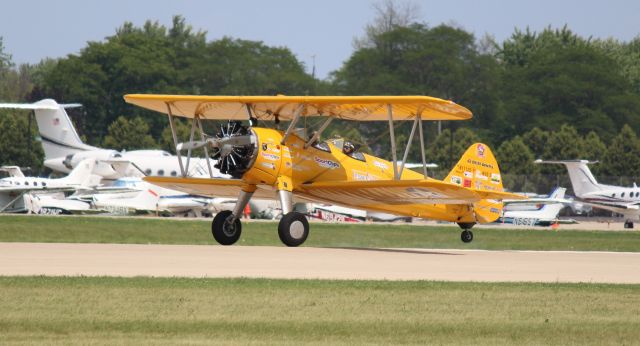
point(69, 162)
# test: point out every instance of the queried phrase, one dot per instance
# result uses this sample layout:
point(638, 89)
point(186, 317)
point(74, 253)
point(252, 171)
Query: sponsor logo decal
point(495, 178)
point(268, 165)
point(478, 163)
point(467, 183)
point(380, 165)
point(326, 163)
point(494, 210)
point(468, 175)
point(480, 150)
point(360, 175)
point(456, 180)
point(264, 146)
point(270, 156)
point(481, 176)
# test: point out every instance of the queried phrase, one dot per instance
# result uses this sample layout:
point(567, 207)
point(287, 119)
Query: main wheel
point(628, 224)
point(224, 230)
point(466, 236)
point(293, 229)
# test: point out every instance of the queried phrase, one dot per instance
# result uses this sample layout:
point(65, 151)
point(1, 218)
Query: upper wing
point(360, 108)
point(399, 192)
point(208, 187)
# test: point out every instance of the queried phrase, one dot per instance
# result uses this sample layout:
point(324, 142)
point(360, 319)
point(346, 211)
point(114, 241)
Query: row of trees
point(531, 92)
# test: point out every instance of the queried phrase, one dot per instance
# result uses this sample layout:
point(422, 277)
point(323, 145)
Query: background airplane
point(13, 188)
point(536, 211)
point(621, 200)
point(64, 150)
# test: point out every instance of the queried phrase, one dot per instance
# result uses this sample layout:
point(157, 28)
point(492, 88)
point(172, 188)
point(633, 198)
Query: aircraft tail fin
point(478, 170)
point(551, 211)
point(582, 180)
point(58, 135)
point(81, 175)
point(14, 171)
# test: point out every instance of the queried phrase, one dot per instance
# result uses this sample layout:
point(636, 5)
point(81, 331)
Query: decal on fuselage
point(326, 163)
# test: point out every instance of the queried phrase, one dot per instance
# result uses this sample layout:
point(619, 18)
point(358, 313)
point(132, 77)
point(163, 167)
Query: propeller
point(232, 148)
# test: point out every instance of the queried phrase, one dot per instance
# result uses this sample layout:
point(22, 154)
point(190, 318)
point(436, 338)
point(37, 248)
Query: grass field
point(173, 231)
point(245, 311)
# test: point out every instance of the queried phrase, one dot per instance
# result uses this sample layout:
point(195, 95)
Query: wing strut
point(406, 150)
point(424, 160)
point(393, 142)
point(175, 138)
point(206, 151)
point(193, 131)
point(292, 125)
point(317, 134)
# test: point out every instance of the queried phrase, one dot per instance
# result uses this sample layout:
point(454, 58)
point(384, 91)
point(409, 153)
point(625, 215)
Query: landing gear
point(226, 228)
point(293, 229)
point(466, 236)
point(628, 224)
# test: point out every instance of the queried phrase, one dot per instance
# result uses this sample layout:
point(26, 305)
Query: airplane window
point(17, 183)
point(174, 173)
point(622, 195)
point(35, 183)
point(44, 184)
point(26, 183)
point(147, 171)
point(322, 146)
point(161, 172)
point(613, 195)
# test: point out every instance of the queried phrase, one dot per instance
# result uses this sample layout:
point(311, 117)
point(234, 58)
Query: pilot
point(348, 148)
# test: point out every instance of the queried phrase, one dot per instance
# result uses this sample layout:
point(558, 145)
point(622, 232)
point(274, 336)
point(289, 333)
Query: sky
point(324, 29)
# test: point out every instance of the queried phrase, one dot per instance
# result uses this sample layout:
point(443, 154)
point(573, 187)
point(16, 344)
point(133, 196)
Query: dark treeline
point(552, 94)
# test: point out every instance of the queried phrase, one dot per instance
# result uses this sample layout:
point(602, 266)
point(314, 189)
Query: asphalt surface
point(128, 260)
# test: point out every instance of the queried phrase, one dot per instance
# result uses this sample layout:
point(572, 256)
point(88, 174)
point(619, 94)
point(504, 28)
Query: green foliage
point(17, 145)
point(446, 151)
point(623, 155)
point(156, 59)
point(536, 140)
point(514, 157)
point(125, 134)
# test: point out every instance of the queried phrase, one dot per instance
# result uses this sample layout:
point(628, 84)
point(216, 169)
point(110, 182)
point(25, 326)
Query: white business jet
point(14, 187)
point(621, 200)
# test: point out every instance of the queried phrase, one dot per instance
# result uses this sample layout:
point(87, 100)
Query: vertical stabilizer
point(59, 137)
point(582, 180)
point(478, 170)
point(81, 175)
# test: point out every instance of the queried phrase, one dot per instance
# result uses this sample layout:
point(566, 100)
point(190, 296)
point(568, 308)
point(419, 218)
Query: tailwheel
point(466, 236)
point(226, 228)
point(293, 229)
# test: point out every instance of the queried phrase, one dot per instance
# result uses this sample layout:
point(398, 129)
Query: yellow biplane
point(294, 164)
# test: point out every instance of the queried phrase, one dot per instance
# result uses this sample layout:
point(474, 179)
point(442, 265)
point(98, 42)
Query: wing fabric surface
point(207, 187)
point(359, 108)
point(399, 192)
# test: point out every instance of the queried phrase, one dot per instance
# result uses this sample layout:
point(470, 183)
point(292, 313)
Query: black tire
point(223, 231)
point(293, 229)
point(466, 236)
point(628, 224)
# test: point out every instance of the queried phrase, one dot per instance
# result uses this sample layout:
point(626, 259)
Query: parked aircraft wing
point(359, 108)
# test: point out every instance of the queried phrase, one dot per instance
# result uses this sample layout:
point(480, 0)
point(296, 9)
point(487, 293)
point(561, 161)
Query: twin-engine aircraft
point(295, 164)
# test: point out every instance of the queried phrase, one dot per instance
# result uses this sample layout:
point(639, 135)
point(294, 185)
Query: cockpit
point(347, 148)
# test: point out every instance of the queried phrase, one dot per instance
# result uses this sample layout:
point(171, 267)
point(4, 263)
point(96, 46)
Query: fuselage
point(291, 165)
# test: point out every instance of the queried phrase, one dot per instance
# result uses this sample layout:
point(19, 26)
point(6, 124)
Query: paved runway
point(325, 263)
